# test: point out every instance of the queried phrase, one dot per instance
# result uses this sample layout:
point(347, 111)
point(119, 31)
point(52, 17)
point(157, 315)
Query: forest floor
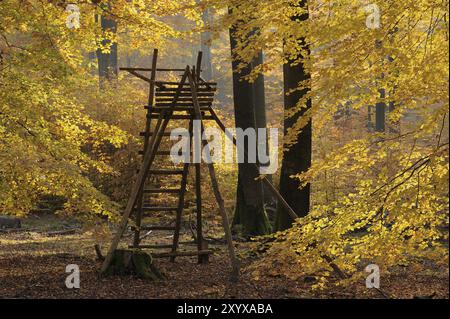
point(33, 263)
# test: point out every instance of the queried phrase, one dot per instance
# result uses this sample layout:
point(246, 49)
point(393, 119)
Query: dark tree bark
point(261, 118)
point(298, 157)
point(107, 62)
point(380, 113)
point(369, 118)
point(249, 213)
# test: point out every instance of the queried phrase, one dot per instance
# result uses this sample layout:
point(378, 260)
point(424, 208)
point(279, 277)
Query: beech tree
point(49, 98)
point(206, 38)
point(390, 186)
point(249, 213)
point(297, 156)
point(107, 50)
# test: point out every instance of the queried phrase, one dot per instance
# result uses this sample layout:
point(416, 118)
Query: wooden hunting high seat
point(173, 101)
point(186, 100)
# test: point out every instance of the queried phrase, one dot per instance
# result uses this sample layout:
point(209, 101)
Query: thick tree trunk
point(246, 215)
point(261, 119)
point(298, 158)
point(250, 213)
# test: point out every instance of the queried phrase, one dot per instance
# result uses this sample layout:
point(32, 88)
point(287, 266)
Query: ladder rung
point(181, 117)
point(158, 109)
point(151, 133)
point(199, 94)
point(162, 153)
point(166, 171)
point(185, 84)
point(148, 69)
point(172, 117)
point(156, 246)
point(183, 99)
point(159, 208)
point(162, 190)
point(163, 172)
point(182, 104)
point(165, 153)
point(182, 253)
point(151, 246)
point(155, 227)
point(185, 89)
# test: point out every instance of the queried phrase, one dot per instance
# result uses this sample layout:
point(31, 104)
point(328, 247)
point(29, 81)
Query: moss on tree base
point(250, 220)
point(133, 262)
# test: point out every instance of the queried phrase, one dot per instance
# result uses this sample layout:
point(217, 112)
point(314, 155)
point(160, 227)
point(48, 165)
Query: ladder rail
point(139, 211)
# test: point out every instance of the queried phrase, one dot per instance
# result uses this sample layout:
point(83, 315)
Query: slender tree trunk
point(250, 212)
point(298, 158)
point(206, 46)
point(369, 118)
point(380, 113)
point(107, 62)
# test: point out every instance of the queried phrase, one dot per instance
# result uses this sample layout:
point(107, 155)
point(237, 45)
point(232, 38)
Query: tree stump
point(133, 262)
point(9, 222)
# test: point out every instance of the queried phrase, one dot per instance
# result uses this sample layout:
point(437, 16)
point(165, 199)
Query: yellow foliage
point(377, 197)
point(57, 129)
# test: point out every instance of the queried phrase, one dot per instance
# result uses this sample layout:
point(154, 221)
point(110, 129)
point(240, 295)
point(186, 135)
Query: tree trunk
point(261, 119)
point(297, 158)
point(207, 70)
point(250, 213)
point(107, 62)
point(380, 113)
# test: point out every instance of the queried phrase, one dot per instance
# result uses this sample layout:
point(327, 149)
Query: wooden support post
point(198, 194)
point(138, 219)
point(140, 76)
point(263, 177)
point(198, 182)
point(226, 225)
point(198, 189)
point(176, 235)
point(198, 68)
point(151, 94)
